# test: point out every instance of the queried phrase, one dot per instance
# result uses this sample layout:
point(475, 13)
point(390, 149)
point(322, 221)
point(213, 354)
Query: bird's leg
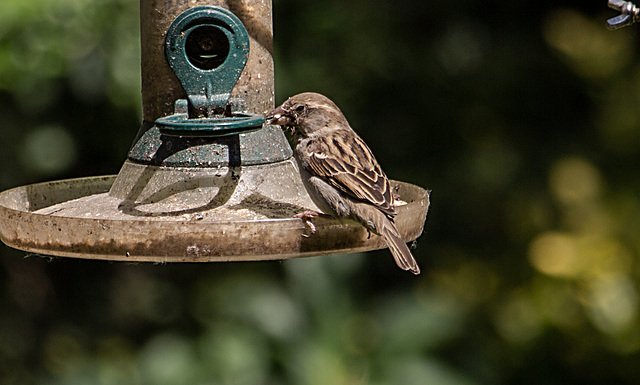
point(306, 218)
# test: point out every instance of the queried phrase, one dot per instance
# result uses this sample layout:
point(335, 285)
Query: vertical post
point(160, 87)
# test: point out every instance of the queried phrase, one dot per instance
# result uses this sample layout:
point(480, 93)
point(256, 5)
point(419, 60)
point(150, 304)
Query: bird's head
point(306, 113)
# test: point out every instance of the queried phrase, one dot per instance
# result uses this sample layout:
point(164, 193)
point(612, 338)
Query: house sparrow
point(339, 171)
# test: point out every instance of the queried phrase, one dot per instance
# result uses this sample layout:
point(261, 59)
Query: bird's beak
point(279, 116)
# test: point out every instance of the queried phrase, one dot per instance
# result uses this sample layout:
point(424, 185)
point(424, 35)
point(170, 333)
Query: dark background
point(522, 118)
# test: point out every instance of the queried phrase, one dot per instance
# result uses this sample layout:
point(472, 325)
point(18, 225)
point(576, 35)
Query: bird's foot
point(306, 218)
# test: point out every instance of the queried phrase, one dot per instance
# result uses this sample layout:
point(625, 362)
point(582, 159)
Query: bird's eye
point(300, 108)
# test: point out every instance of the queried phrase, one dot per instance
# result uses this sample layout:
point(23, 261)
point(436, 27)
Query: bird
point(339, 171)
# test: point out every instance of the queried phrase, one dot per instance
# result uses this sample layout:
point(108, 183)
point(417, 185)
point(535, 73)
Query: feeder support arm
point(630, 14)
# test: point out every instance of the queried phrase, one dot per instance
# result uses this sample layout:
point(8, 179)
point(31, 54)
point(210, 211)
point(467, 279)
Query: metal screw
point(630, 14)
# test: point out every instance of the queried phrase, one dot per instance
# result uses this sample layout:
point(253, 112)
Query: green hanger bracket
point(207, 48)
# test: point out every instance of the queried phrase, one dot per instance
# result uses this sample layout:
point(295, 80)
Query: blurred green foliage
point(524, 122)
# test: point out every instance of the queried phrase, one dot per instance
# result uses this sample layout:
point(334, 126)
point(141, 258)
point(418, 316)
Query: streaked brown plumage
point(339, 170)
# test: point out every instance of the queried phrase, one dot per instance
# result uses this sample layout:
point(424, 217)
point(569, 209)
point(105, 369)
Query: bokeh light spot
point(48, 150)
point(612, 303)
point(463, 47)
point(575, 181)
point(234, 354)
point(518, 319)
point(555, 254)
point(168, 359)
point(591, 50)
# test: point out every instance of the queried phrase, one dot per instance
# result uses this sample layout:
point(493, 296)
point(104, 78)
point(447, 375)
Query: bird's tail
point(403, 257)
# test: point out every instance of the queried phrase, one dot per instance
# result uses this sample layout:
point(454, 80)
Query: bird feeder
point(206, 179)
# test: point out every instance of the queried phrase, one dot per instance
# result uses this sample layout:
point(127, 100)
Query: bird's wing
point(346, 162)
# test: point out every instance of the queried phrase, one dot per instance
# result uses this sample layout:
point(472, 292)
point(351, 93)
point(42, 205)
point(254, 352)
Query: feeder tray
point(210, 182)
point(78, 218)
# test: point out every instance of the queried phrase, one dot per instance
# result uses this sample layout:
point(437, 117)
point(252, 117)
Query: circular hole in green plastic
point(207, 47)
